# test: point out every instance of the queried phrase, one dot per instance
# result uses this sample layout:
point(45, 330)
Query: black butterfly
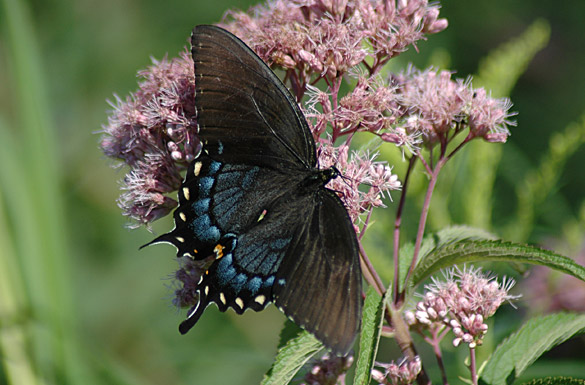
point(254, 199)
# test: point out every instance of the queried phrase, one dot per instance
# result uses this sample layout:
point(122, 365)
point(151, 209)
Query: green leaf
point(522, 348)
point(370, 335)
point(460, 233)
point(294, 353)
point(556, 381)
point(441, 238)
point(289, 331)
point(476, 251)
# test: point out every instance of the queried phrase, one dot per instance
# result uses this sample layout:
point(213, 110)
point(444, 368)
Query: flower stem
point(397, 223)
point(472, 366)
point(428, 168)
point(365, 226)
point(369, 272)
point(404, 340)
point(439, 355)
point(334, 87)
point(423, 215)
point(469, 137)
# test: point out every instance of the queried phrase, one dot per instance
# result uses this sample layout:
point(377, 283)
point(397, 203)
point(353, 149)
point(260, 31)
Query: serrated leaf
point(522, 348)
point(291, 357)
point(370, 335)
point(479, 251)
point(442, 238)
point(460, 233)
point(556, 381)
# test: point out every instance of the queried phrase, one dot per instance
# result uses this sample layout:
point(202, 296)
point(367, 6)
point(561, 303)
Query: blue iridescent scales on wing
point(255, 205)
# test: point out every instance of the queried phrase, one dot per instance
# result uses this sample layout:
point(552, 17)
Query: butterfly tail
point(164, 238)
point(194, 315)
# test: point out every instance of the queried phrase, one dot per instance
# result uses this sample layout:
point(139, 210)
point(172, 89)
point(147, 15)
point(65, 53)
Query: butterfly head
point(328, 174)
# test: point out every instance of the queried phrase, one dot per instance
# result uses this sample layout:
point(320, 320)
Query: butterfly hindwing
point(322, 276)
point(216, 199)
point(244, 112)
point(245, 272)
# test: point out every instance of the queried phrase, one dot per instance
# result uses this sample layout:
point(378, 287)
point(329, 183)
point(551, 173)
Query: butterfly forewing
point(244, 112)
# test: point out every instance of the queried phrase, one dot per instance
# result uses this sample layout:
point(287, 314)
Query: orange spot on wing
point(218, 251)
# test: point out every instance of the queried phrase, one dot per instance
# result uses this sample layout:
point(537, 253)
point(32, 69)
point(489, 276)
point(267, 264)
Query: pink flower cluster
point(404, 373)
point(153, 132)
point(369, 106)
point(412, 109)
point(328, 37)
point(357, 169)
point(437, 107)
point(462, 302)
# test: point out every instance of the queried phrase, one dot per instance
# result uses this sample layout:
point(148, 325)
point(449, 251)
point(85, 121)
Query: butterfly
point(254, 202)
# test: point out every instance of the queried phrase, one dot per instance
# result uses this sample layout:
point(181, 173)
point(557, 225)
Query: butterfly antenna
point(346, 180)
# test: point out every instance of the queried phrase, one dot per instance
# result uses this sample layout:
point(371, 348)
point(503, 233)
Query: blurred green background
point(80, 304)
